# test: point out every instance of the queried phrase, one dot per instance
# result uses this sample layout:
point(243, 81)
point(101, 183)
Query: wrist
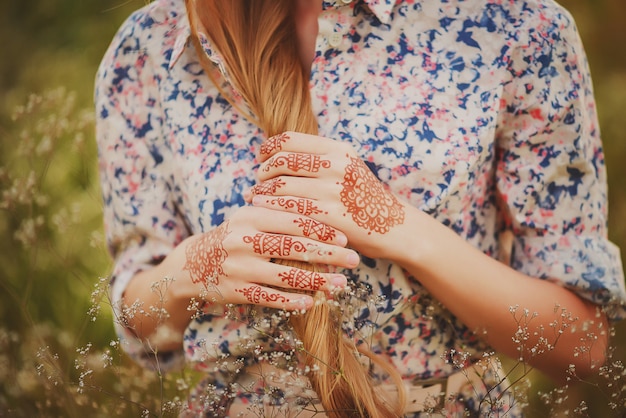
point(414, 244)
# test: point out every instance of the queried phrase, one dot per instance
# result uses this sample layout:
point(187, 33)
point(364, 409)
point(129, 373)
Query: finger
point(279, 291)
point(296, 142)
point(296, 186)
point(293, 164)
point(302, 226)
point(318, 231)
point(291, 204)
point(286, 275)
point(282, 222)
point(300, 249)
point(269, 187)
point(305, 277)
point(272, 298)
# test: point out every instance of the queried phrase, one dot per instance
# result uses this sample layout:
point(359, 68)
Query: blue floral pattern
point(478, 112)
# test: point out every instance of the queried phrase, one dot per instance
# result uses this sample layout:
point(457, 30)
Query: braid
point(258, 44)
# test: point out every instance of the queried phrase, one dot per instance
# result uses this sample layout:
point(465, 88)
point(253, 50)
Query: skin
point(478, 289)
point(308, 192)
point(219, 264)
point(231, 264)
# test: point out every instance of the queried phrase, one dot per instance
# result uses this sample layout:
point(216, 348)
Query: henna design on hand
point(303, 279)
point(206, 255)
point(295, 162)
point(312, 227)
point(274, 143)
point(303, 206)
point(268, 187)
point(254, 294)
point(279, 245)
point(365, 198)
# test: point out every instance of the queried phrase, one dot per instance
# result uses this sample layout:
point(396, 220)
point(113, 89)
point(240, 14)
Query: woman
point(403, 149)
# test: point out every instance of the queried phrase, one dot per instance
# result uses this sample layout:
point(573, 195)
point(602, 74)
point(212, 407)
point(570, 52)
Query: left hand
point(325, 179)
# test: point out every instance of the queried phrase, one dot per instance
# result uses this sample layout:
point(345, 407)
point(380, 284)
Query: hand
point(324, 179)
point(232, 263)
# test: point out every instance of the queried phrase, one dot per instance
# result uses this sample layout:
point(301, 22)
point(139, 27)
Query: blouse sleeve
point(141, 221)
point(551, 172)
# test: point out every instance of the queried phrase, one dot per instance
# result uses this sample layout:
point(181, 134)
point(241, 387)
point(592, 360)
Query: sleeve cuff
point(589, 266)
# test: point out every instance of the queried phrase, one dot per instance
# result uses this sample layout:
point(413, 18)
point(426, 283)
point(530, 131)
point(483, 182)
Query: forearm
point(153, 309)
point(232, 264)
point(481, 291)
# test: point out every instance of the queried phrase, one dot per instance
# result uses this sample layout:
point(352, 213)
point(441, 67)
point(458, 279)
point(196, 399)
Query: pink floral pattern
point(478, 112)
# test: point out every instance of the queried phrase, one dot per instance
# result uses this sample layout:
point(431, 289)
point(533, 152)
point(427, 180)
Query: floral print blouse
point(478, 112)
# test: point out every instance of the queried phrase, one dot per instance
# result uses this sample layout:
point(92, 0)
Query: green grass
point(53, 256)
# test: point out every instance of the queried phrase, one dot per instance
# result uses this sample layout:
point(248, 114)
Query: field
point(58, 353)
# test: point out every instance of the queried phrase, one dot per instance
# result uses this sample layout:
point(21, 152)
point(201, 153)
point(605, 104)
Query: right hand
point(232, 263)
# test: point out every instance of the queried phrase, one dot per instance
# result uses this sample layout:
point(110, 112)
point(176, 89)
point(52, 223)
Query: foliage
point(59, 357)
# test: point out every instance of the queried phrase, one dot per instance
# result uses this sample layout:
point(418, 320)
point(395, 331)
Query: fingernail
point(342, 240)
point(304, 302)
point(338, 281)
point(257, 200)
point(353, 259)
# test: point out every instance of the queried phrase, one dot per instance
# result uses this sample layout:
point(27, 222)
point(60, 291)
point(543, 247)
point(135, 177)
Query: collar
point(380, 8)
point(183, 33)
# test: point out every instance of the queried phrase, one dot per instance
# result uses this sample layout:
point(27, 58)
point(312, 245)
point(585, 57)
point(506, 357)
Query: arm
point(480, 291)
point(551, 178)
point(551, 182)
point(141, 222)
point(231, 264)
point(475, 287)
point(160, 267)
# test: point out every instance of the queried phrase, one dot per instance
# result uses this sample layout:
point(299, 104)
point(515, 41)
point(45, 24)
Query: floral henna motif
point(312, 227)
point(303, 279)
point(206, 255)
point(268, 187)
point(274, 143)
point(279, 245)
point(255, 294)
point(303, 206)
point(296, 162)
point(365, 198)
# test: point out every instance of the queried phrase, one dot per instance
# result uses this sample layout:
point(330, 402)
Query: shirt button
point(335, 40)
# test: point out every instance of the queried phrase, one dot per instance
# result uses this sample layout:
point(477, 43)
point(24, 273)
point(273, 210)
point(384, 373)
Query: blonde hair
point(258, 45)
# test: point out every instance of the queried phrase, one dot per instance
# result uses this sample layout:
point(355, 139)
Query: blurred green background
point(58, 356)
